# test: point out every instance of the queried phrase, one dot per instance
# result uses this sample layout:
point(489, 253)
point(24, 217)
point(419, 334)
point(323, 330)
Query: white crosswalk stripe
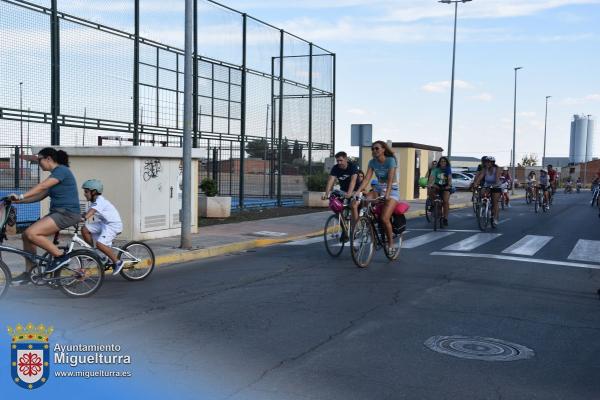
point(425, 239)
point(586, 250)
point(472, 242)
point(528, 245)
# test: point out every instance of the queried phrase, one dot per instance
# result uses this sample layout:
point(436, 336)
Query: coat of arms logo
point(30, 355)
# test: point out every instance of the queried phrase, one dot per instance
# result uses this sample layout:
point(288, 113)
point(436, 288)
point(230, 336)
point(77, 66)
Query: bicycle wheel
point(527, 197)
point(482, 218)
point(5, 279)
point(397, 240)
point(536, 204)
point(428, 209)
point(362, 243)
point(83, 275)
point(332, 236)
point(436, 215)
point(138, 259)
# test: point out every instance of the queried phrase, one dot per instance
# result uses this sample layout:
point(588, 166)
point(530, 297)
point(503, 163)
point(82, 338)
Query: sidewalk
point(222, 239)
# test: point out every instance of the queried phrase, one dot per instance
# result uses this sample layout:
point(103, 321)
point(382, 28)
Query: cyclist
point(490, 175)
point(545, 185)
point(440, 182)
point(578, 184)
point(346, 174)
point(532, 184)
point(431, 168)
point(384, 166)
point(505, 182)
point(553, 180)
point(107, 222)
point(61, 187)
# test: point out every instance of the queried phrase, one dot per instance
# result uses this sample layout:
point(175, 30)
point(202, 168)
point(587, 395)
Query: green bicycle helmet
point(423, 181)
point(93, 184)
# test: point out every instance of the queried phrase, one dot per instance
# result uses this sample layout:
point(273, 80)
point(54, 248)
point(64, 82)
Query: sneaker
point(117, 267)
point(57, 263)
point(21, 279)
point(508, 205)
point(445, 221)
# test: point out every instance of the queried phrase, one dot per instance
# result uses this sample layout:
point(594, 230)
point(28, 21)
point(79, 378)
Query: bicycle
point(595, 194)
point(543, 202)
point(485, 209)
point(368, 234)
point(337, 227)
point(529, 194)
point(81, 276)
point(437, 211)
point(138, 258)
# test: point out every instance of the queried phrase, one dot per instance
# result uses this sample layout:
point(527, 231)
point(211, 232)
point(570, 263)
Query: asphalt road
point(289, 322)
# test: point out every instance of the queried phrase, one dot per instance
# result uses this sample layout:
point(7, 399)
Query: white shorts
point(103, 233)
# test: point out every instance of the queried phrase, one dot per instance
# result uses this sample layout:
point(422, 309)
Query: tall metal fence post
point(332, 152)
point(310, 106)
point(272, 144)
point(280, 127)
point(55, 74)
point(243, 114)
point(195, 73)
point(17, 167)
point(136, 75)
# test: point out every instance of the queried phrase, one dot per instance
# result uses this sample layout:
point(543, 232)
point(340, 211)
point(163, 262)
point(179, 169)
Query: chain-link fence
point(19, 172)
point(89, 73)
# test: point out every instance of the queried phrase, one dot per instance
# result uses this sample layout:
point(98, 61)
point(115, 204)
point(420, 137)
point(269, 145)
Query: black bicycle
point(337, 227)
point(369, 235)
point(80, 276)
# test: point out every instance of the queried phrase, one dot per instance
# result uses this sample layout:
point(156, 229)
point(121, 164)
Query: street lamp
point(455, 2)
point(514, 131)
point(545, 124)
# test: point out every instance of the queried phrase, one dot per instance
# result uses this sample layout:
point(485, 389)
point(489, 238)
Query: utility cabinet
point(144, 183)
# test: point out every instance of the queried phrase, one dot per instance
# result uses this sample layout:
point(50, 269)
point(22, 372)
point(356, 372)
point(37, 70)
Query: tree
point(529, 160)
point(258, 148)
point(297, 150)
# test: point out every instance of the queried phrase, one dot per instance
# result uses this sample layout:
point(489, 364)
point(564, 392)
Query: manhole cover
point(478, 348)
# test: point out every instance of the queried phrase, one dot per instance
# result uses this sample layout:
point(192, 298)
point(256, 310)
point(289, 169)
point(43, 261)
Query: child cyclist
point(107, 222)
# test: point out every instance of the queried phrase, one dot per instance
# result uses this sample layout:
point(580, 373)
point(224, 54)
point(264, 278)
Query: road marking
point(503, 221)
point(586, 250)
point(446, 230)
point(472, 242)
point(528, 245)
point(424, 239)
point(513, 258)
point(269, 233)
point(305, 241)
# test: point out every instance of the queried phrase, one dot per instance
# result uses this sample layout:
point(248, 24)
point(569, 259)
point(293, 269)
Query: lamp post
point(514, 131)
point(455, 2)
point(545, 124)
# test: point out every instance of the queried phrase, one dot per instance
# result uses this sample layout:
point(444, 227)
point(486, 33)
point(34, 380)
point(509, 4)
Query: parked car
point(469, 174)
point(461, 181)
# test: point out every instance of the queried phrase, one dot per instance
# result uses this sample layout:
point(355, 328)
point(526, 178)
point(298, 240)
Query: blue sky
point(394, 62)
point(394, 67)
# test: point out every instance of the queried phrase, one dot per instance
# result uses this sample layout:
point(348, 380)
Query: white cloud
point(590, 98)
point(483, 97)
point(527, 114)
point(443, 86)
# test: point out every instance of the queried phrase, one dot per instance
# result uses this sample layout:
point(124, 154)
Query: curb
point(215, 251)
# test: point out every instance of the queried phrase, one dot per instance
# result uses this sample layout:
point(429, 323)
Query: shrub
point(209, 187)
point(317, 182)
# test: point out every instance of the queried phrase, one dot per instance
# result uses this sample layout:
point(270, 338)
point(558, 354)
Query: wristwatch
point(21, 196)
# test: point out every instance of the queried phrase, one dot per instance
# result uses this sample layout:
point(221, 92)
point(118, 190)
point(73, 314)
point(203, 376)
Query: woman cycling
point(61, 187)
point(384, 166)
point(440, 181)
point(505, 182)
point(532, 184)
point(490, 175)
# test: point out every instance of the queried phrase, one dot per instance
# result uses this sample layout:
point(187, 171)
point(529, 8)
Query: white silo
point(571, 140)
point(591, 140)
point(579, 138)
